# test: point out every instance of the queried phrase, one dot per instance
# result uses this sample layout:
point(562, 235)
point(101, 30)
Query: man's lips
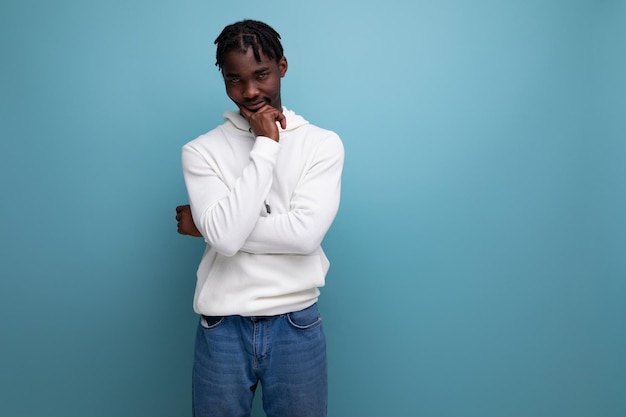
point(255, 106)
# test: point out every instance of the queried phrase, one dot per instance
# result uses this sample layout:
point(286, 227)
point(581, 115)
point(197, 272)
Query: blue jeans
point(285, 353)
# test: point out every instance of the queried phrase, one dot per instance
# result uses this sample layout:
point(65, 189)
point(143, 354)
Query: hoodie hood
point(294, 121)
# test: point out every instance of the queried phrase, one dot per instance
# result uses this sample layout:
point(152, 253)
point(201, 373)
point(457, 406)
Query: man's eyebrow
point(263, 69)
point(235, 75)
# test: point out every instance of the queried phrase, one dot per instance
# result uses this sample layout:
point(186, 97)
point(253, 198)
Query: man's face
point(253, 84)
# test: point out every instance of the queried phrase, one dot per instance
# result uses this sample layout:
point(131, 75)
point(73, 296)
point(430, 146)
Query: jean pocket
point(305, 319)
point(211, 322)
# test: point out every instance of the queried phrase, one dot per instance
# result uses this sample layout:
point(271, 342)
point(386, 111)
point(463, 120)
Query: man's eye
point(263, 75)
point(233, 80)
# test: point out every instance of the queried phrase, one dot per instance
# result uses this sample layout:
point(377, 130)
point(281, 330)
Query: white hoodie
point(263, 208)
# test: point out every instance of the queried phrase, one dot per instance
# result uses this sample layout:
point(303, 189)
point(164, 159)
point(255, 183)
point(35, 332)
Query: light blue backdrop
point(479, 264)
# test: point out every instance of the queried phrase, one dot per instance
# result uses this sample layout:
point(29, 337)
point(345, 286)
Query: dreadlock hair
point(248, 34)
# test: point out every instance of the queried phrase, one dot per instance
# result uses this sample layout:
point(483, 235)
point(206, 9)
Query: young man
point(263, 189)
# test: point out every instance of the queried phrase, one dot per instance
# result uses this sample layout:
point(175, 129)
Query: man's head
point(248, 34)
point(250, 57)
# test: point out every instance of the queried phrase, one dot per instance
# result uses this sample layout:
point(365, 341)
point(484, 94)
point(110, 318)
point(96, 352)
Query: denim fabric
point(286, 354)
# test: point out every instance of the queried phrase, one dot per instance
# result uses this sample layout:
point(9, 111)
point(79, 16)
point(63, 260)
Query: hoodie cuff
point(265, 147)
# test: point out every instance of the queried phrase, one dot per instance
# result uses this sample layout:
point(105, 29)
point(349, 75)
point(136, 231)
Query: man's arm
point(225, 216)
point(312, 208)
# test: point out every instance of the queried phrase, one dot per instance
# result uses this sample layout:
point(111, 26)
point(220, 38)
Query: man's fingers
point(263, 121)
point(182, 211)
point(282, 120)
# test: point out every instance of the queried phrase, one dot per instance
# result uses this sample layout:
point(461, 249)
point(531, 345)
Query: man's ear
point(282, 66)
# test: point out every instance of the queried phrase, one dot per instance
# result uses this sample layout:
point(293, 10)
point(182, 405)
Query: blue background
point(478, 258)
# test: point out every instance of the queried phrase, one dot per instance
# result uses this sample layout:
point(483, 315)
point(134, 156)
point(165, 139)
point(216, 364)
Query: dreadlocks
point(248, 33)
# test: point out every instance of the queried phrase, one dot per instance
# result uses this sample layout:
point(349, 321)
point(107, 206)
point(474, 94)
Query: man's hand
point(263, 121)
point(186, 226)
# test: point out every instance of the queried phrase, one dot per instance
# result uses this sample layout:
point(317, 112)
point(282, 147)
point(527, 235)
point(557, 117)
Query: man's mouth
point(253, 107)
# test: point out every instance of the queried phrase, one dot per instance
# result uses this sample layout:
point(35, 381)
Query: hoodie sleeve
point(226, 216)
point(313, 207)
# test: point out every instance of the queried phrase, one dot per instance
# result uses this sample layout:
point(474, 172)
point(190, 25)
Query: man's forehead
point(245, 59)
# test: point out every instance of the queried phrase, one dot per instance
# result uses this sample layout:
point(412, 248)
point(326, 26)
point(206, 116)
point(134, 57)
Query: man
point(264, 189)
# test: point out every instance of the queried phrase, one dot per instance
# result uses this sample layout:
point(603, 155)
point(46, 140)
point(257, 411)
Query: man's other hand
point(186, 226)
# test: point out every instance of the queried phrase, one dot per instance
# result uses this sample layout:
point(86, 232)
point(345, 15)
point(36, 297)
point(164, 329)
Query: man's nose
point(250, 90)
